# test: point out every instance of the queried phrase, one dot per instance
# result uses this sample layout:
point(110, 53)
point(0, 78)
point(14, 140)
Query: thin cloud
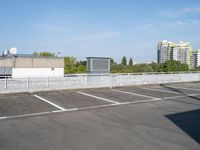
point(51, 28)
point(104, 35)
point(180, 12)
point(191, 10)
point(178, 24)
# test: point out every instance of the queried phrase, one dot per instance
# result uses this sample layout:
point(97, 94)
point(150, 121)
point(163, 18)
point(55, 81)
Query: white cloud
point(191, 10)
point(161, 26)
point(180, 12)
point(103, 35)
point(51, 28)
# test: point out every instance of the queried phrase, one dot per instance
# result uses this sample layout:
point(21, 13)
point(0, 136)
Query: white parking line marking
point(142, 101)
point(100, 98)
point(98, 106)
point(181, 96)
point(131, 93)
point(71, 109)
point(191, 89)
point(25, 115)
point(53, 104)
point(152, 89)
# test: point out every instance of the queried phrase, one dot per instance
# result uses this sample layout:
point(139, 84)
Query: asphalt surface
point(127, 118)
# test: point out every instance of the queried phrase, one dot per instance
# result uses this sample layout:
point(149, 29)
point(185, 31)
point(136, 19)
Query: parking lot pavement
point(129, 127)
point(149, 91)
point(182, 88)
point(71, 99)
point(113, 94)
point(190, 85)
point(153, 119)
point(20, 104)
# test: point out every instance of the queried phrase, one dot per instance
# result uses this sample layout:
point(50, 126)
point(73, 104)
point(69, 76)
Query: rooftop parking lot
point(125, 118)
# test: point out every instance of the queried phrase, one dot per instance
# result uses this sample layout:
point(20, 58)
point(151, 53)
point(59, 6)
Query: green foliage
point(172, 66)
point(130, 62)
point(112, 61)
point(196, 69)
point(44, 54)
point(119, 68)
point(168, 66)
point(73, 66)
point(124, 61)
point(155, 67)
point(143, 68)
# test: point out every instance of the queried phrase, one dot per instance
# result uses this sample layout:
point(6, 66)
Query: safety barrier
point(81, 81)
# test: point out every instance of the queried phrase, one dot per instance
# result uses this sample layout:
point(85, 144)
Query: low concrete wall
point(91, 81)
point(37, 72)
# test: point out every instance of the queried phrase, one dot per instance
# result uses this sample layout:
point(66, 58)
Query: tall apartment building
point(180, 51)
point(164, 50)
point(195, 58)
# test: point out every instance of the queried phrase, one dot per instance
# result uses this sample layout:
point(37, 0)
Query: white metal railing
point(75, 81)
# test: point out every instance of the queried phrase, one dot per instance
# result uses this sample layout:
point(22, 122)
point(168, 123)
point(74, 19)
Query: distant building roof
point(98, 57)
point(28, 56)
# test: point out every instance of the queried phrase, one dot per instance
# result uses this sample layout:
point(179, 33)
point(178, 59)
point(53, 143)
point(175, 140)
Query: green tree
point(130, 62)
point(119, 68)
point(44, 54)
point(112, 61)
point(155, 66)
point(70, 66)
point(124, 61)
point(172, 66)
point(143, 68)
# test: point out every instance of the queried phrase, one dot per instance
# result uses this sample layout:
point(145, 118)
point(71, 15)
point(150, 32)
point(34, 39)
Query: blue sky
point(110, 28)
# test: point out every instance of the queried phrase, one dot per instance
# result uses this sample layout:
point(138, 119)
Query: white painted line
point(181, 96)
point(131, 93)
point(98, 106)
point(191, 89)
point(144, 101)
point(71, 109)
point(25, 115)
point(53, 104)
point(100, 98)
point(159, 90)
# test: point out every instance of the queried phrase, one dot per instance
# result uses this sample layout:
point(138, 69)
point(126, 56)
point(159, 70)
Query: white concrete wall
point(37, 72)
point(90, 81)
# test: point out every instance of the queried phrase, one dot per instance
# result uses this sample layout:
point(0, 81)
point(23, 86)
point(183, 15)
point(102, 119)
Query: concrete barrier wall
point(91, 81)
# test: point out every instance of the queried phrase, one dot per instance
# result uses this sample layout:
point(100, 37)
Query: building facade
point(98, 65)
point(181, 51)
point(195, 58)
point(30, 66)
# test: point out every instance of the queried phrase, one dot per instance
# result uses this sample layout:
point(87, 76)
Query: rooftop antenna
point(5, 52)
point(13, 51)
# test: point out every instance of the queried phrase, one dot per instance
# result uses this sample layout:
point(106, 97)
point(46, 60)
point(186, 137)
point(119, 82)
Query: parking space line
point(131, 93)
point(25, 115)
point(142, 101)
point(100, 98)
point(53, 104)
point(152, 89)
point(181, 96)
point(98, 106)
point(191, 89)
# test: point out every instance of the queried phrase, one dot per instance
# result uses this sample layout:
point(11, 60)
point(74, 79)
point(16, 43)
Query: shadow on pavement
point(189, 122)
point(179, 91)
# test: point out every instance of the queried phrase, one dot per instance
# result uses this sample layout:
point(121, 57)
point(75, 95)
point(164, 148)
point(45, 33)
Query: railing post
point(47, 81)
point(101, 76)
point(27, 83)
point(66, 82)
point(5, 83)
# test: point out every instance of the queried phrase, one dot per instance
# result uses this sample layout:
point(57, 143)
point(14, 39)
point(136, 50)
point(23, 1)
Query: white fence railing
point(80, 81)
